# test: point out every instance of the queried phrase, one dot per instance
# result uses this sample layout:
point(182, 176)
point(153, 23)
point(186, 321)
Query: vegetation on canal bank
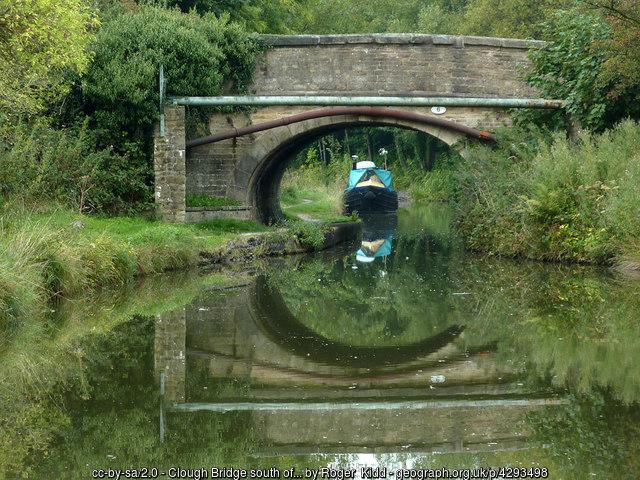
point(61, 253)
point(536, 194)
point(89, 146)
point(546, 198)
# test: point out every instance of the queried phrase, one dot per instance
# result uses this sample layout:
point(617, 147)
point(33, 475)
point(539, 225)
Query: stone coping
point(396, 39)
point(225, 208)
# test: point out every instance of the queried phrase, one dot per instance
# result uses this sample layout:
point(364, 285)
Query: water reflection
point(244, 350)
point(378, 232)
point(426, 351)
point(427, 356)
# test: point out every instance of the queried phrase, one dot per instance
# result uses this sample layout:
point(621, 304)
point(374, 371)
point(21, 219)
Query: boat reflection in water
point(378, 232)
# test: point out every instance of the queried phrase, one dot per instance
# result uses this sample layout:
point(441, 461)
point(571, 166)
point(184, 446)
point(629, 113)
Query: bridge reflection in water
point(241, 348)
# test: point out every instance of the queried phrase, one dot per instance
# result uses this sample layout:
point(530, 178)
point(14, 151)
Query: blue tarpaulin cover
point(356, 174)
point(383, 251)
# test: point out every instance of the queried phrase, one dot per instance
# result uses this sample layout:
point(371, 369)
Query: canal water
point(400, 351)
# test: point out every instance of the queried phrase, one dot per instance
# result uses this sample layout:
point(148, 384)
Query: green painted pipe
point(263, 101)
point(363, 405)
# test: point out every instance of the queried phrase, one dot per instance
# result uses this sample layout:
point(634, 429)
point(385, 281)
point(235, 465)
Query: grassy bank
point(62, 253)
point(314, 192)
point(543, 197)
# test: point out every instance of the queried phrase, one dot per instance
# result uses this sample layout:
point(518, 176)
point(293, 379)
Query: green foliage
point(438, 185)
point(199, 54)
point(119, 92)
point(40, 42)
point(621, 68)
point(40, 163)
point(230, 225)
point(308, 233)
point(61, 253)
point(95, 156)
point(552, 200)
point(570, 66)
point(508, 18)
point(360, 16)
point(313, 190)
point(207, 201)
point(263, 16)
point(491, 18)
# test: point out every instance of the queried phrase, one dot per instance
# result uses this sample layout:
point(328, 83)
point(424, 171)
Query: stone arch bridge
point(307, 86)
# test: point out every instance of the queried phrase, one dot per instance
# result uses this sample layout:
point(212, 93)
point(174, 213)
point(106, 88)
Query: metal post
point(162, 427)
point(162, 84)
point(383, 151)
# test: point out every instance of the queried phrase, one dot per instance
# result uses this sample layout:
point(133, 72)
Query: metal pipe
point(302, 406)
point(329, 112)
point(263, 101)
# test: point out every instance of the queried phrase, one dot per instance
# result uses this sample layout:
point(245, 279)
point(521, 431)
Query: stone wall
point(203, 214)
point(169, 166)
point(393, 64)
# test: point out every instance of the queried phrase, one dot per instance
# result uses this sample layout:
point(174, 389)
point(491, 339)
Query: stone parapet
point(396, 39)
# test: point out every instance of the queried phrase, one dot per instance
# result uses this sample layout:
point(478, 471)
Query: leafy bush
point(199, 54)
point(202, 55)
point(572, 67)
point(40, 163)
point(551, 200)
point(569, 67)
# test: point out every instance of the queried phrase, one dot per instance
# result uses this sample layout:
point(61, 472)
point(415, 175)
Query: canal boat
point(370, 189)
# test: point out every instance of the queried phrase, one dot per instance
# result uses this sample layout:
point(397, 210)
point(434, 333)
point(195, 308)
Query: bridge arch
point(272, 316)
point(272, 151)
point(474, 81)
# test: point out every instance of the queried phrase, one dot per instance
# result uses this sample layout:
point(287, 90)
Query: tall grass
point(436, 185)
point(62, 253)
point(549, 199)
point(315, 190)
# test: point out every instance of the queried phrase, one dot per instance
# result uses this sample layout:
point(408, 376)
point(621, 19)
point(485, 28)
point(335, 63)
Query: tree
point(362, 16)
point(508, 18)
point(621, 68)
point(569, 67)
point(40, 42)
point(263, 16)
point(592, 61)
